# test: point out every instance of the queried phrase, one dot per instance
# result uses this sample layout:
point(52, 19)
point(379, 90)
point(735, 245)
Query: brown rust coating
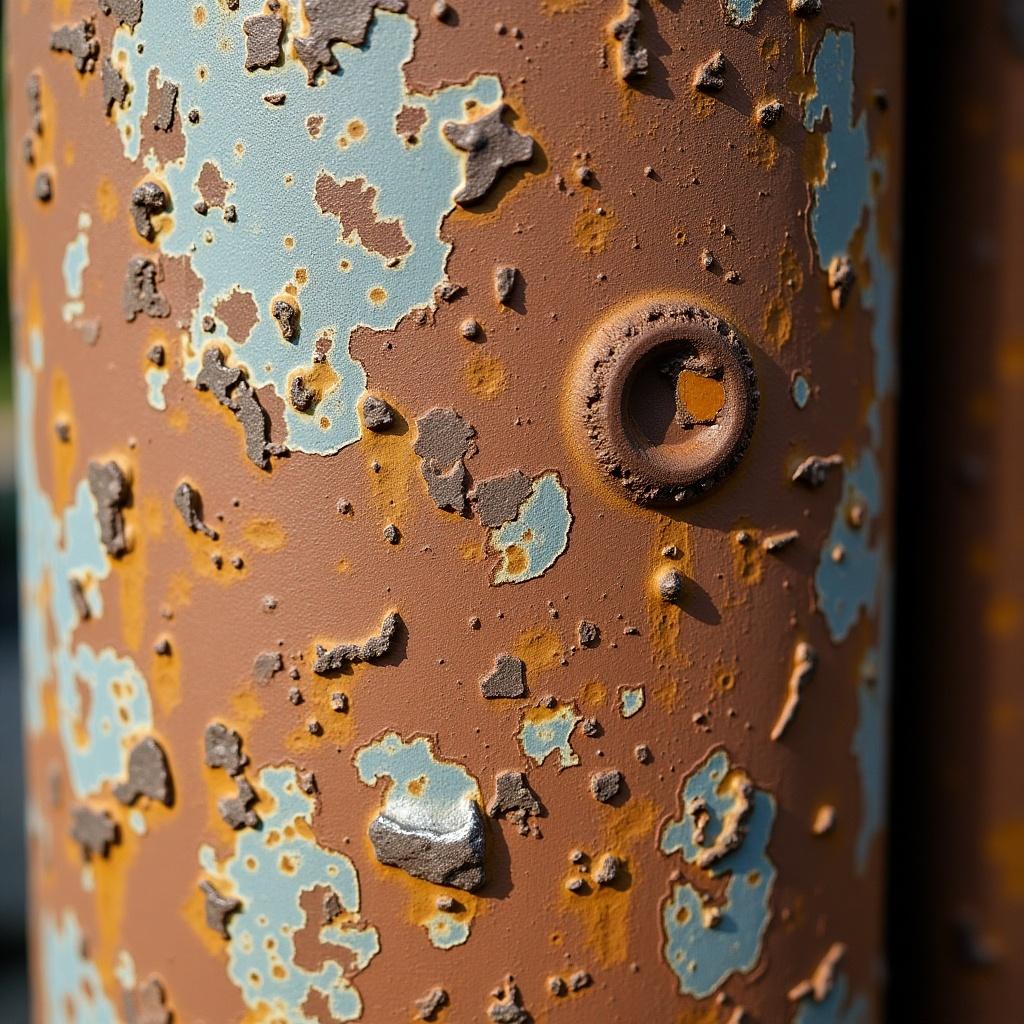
point(714, 666)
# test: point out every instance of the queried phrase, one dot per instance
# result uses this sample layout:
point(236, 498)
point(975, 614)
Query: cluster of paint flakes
point(279, 244)
point(54, 550)
point(267, 872)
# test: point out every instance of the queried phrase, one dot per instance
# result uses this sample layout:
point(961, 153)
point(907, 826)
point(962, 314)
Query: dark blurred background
point(13, 998)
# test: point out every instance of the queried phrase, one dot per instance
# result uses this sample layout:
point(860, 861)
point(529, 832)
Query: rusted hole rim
point(652, 473)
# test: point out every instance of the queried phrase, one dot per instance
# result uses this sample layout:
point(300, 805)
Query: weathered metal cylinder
point(455, 473)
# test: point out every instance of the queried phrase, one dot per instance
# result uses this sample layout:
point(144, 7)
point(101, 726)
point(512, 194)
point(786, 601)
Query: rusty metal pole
point(456, 487)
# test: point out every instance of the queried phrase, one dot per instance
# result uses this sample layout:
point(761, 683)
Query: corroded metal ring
point(667, 397)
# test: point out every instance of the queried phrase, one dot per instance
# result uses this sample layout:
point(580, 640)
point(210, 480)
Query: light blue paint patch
point(846, 586)
point(118, 712)
point(76, 259)
point(415, 186)
point(703, 957)
point(72, 987)
point(51, 551)
point(546, 731)
point(741, 12)
point(871, 738)
point(426, 794)
point(446, 931)
point(268, 871)
point(540, 533)
point(631, 700)
point(846, 198)
point(801, 391)
point(835, 1008)
point(137, 821)
point(156, 380)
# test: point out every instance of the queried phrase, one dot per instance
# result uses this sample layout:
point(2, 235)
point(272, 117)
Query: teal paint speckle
point(250, 252)
point(538, 535)
point(741, 12)
point(261, 944)
point(51, 551)
point(72, 984)
point(446, 931)
point(426, 794)
point(801, 391)
point(835, 1008)
point(631, 700)
point(546, 731)
point(851, 584)
point(703, 957)
point(846, 199)
point(156, 381)
point(76, 259)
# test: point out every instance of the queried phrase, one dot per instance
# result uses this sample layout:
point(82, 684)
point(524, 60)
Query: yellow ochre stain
point(485, 376)
point(592, 231)
point(108, 202)
point(539, 648)
point(265, 534)
point(63, 451)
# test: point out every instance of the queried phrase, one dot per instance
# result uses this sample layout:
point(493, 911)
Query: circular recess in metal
point(667, 396)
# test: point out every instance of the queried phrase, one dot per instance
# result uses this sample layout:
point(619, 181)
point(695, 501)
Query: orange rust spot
point(702, 396)
point(539, 648)
point(471, 551)
point(107, 201)
point(63, 451)
point(763, 148)
point(593, 695)
point(485, 376)
point(605, 912)
point(378, 296)
point(777, 320)
point(592, 231)
point(165, 681)
point(515, 560)
point(702, 105)
point(265, 534)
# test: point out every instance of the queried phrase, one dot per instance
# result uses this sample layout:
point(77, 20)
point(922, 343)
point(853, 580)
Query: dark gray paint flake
point(148, 774)
point(490, 146)
point(112, 493)
point(377, 647)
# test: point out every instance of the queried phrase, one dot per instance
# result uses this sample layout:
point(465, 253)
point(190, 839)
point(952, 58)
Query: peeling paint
point(267, 871)
point(532, 542)
point(547, 730)
point(704, 950)
point(225, 255)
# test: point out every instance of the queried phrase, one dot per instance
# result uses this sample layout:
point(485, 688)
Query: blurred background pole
point(456, 475)
point(959, 711)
